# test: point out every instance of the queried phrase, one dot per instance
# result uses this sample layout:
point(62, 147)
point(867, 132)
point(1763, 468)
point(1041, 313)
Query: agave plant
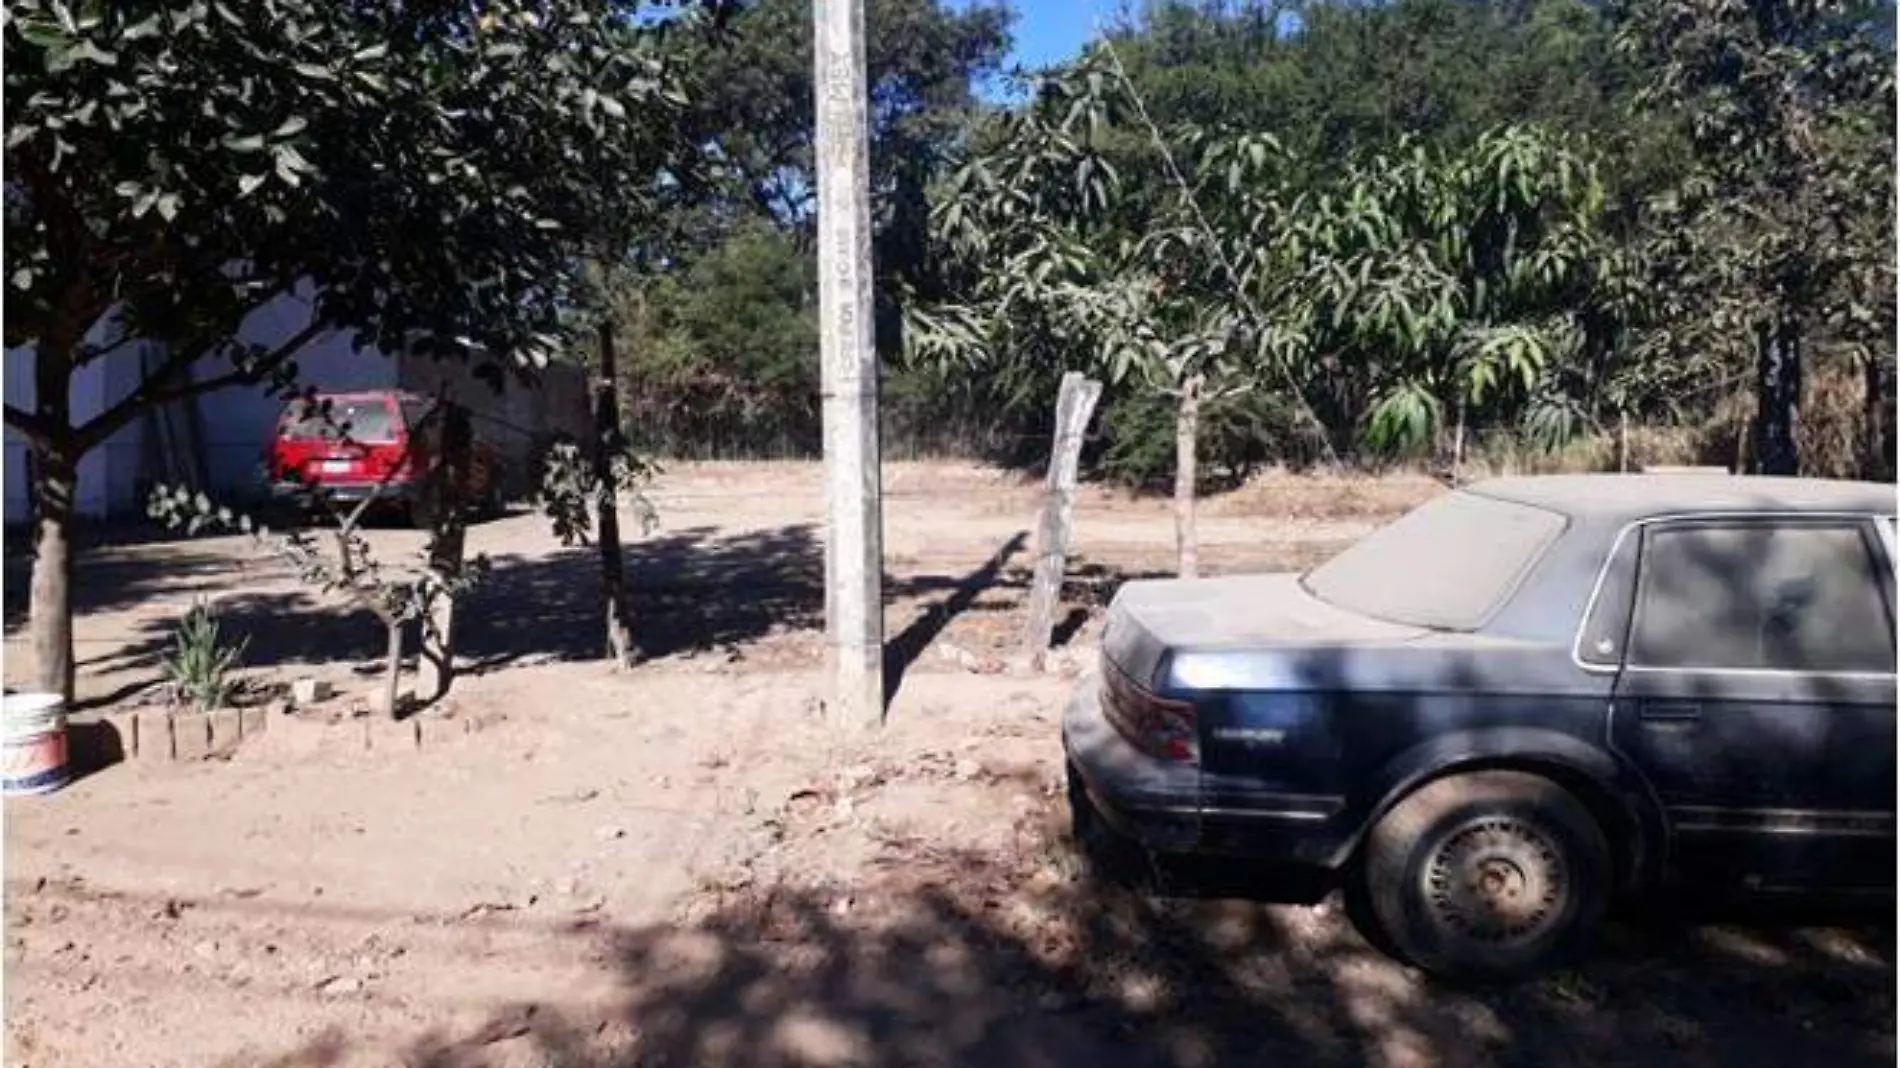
point(201, 667)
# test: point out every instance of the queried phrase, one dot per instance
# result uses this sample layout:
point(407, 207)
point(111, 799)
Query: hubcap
point(1498, 880)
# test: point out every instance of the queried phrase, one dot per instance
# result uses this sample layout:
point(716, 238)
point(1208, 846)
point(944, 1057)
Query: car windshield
point(1446, 565)
point(365, 420)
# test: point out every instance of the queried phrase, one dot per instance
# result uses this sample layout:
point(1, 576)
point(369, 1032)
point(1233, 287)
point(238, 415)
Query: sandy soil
point(687, 865)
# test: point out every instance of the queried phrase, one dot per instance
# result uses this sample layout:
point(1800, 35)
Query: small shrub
point(201, 665)
point(1239, 435)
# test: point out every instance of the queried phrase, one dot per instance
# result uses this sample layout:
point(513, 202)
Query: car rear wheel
point(1488, 875)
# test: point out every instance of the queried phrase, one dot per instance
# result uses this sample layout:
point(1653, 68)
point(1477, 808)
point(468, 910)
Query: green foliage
point(1376, 293)
point(573, 486)
point(201, 664)
point(724, 350)
point(1775, 244)
point(753, 96)
point(719, 306)
point(1239, 434)
point(431, 172)
point(1333, 79)
point(1386, 227)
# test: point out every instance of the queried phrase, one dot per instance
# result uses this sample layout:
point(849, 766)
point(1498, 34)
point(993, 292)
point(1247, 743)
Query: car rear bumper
point(1154, 802)
point(343, 492)
point(1163, 805)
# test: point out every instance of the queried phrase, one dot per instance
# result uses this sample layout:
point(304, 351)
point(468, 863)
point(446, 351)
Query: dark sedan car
point(1519, 700)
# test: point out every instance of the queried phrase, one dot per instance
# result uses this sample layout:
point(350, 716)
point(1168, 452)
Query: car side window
point(1761, 596)
point(1600, 641)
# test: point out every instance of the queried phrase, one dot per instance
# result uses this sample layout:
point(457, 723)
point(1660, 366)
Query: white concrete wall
point(108, 475)
point(236, 422)
point(17, 377)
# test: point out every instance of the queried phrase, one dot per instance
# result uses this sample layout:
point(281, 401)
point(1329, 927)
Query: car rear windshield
point(1446, 565)
point(366, 420)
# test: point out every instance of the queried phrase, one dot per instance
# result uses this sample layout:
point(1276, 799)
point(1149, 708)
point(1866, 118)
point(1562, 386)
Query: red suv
point(357, 445)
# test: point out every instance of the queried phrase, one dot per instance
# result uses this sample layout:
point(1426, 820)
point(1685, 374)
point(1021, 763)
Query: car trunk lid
point(1150, 619)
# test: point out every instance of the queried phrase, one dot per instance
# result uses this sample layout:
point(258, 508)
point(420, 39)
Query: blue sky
point(1051, 30)
point(1048, 31)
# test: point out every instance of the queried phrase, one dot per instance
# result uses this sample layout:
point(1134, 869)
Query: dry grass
point(1830, 428)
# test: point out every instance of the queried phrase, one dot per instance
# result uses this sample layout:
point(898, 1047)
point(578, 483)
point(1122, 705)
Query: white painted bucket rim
point(31, 704)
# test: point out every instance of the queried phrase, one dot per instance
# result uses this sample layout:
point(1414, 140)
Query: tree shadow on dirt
point(950, 957)
point(114, 579)
point(693, 591)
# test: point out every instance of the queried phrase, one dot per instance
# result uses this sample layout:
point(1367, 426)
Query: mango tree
point(1476, 280)
point(1064, 265)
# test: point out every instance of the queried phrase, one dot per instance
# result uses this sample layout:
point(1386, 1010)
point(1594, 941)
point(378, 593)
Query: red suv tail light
point(1165, 729)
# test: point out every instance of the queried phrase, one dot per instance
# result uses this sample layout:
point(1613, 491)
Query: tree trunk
point(613, 582)
point(55, 502)
point(1879, 463)
point(1778, 397)
point(55, 489)
point(447, 542)
point(1187, 426)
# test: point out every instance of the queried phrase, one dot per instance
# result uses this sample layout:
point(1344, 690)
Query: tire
point(1485, 876)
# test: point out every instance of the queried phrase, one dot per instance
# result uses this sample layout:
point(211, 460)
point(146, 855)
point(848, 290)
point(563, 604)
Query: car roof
point(1624, 498)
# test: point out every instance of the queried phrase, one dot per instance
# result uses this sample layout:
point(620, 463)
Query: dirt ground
point(686, 865)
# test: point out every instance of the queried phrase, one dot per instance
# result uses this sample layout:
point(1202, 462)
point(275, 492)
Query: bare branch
point(27, 423)
point(89, 353)
point(154, 391)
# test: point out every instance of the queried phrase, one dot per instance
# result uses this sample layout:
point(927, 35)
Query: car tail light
point(392, 461)
point(1157, 726)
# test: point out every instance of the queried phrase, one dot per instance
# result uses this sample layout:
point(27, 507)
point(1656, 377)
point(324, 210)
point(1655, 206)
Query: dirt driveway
point(684, 865)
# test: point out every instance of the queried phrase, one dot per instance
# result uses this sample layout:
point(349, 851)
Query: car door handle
point(1670, 711)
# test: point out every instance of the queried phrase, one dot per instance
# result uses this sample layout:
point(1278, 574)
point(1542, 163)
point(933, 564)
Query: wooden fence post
point(1074, 404)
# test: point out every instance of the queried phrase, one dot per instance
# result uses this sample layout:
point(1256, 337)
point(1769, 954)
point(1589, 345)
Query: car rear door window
point(367, 420)
point(1761, 596)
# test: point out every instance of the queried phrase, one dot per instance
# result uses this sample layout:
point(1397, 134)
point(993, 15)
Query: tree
point(1411, 279)
point(1332, 79)
point(1476, 278)
point(753, 95)
point(421, 171)
point(1779, 238)
point(1066, 264)
point(396, 597)
point(720, 347)
point(719, 318)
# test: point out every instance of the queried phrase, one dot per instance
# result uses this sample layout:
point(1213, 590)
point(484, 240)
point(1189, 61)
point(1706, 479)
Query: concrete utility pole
point(854, 570)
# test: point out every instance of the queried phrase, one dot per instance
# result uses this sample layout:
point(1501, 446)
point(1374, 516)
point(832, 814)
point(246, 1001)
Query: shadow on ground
point(952, 958)
point(693, 591)
point(111, 578)
point(125, 563)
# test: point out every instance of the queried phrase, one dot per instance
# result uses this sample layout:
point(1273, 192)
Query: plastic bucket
point(33, 741)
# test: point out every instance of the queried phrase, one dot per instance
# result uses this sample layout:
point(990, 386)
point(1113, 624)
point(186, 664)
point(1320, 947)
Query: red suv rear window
point(366, 420)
